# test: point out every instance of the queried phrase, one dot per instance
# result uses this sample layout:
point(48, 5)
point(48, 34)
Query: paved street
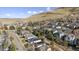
point(18, 43)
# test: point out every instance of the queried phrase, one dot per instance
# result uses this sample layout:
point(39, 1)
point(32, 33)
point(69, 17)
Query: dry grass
point(58, 13)
point(61, 12)
point(8, 20)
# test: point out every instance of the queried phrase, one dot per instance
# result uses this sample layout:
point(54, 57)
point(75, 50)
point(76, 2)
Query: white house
point(58, 27)
point(70, 38)
point(61, 34)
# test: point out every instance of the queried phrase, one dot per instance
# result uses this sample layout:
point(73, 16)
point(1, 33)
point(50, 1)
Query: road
point(18, 42)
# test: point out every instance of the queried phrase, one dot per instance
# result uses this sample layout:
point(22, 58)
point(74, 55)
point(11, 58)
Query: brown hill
point(58, 13)
point(52, 15)
point(9, 20)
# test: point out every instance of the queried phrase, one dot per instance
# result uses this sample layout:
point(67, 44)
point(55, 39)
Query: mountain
point(61, 12)
point(57, 14)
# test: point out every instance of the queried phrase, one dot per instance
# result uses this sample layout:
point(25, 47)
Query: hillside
point(62, 12)
point(58, 13)
point(9, 20)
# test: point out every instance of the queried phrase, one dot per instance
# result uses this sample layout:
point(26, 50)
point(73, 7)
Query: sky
point(22, 12)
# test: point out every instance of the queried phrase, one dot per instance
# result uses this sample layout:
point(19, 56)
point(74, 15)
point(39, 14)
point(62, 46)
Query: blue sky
point(22, 12)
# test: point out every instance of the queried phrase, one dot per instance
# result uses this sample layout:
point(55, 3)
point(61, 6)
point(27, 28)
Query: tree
point(5, 28)
point(12, 28)
point(49, 34)
point(19, 30)
point(35, 32)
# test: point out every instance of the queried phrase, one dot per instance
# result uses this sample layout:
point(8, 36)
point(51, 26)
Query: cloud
point(41, 11)
point(29, 12)
point(34, 12)
point(7, 14)
point(48, 8)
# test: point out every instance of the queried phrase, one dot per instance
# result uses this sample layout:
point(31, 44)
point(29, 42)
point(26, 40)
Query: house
point(33, 40)
point(58, 34)
point(55, 31)
point(66, 30)
point(41, 47)
point(77, 43)
point(61, 34)
point(70, 38)
point(36, 42)
point(76, 31)
point(58, 27)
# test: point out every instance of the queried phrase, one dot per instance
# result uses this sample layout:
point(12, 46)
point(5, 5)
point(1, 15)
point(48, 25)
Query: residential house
point(70, 38)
